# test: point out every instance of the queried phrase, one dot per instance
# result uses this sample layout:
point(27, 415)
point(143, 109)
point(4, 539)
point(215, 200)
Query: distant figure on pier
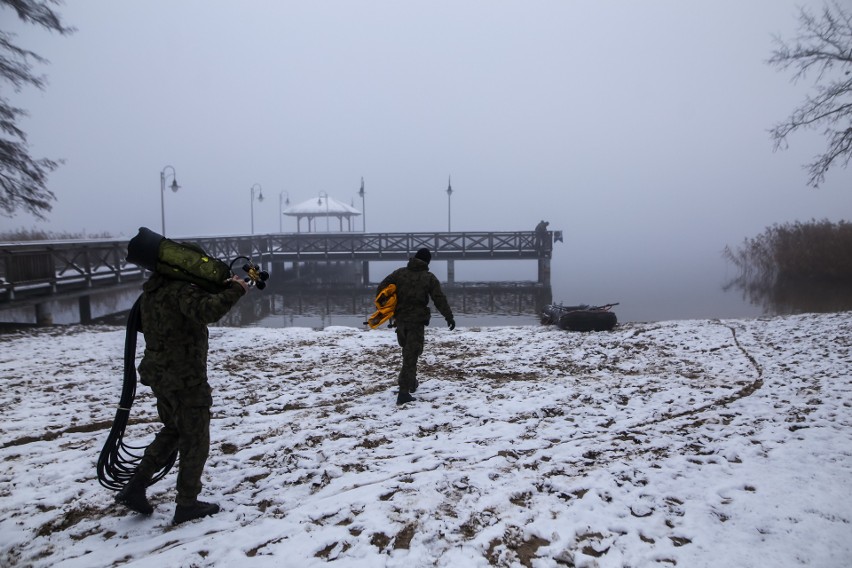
point(541, 241)
point(415, 285)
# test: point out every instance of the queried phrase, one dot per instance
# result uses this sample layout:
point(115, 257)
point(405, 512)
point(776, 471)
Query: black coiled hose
point(118, 461)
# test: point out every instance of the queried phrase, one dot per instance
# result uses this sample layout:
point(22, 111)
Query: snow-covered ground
point(682, 443)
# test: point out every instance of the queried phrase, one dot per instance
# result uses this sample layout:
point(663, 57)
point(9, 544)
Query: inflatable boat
point(580, 318)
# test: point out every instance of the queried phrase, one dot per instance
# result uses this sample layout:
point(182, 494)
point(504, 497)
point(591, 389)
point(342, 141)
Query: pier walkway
point(34, 273)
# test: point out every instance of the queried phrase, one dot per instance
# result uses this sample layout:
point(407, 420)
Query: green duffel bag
point(183, 261)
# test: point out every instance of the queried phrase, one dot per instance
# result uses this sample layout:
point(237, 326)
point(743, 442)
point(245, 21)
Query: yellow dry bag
point(385, 307)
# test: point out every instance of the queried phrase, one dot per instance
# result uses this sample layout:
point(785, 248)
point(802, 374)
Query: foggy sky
point(640, 129)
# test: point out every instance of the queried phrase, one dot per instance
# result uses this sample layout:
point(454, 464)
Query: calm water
point(642, 295)
point(661, 294)
point(475, 304)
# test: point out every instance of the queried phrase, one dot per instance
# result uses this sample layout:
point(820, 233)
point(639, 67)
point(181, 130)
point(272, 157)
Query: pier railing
point(55, 268)
point(33, 270)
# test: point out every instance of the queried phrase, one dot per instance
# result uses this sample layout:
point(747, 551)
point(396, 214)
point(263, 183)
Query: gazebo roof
point(321, 207)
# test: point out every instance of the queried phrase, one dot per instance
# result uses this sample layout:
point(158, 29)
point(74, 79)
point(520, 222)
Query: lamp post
point(361, 192)
point(319, 202)
point(449, 209)
point(259, 198)
point(281, 210)
point(174, 187)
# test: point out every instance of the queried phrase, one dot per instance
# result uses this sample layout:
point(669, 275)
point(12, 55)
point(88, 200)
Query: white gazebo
point(322, 206)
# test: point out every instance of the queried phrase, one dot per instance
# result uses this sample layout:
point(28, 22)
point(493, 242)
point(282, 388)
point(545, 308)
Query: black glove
point(451, 323)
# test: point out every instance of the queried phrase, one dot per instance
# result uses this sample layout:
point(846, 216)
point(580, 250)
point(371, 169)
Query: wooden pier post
point(44, 317)
point(85, 307)
point(544, 271)
point(365, 272)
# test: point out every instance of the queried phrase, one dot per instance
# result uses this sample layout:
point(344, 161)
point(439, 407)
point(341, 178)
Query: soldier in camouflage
point(415, 285)
point(174, 317)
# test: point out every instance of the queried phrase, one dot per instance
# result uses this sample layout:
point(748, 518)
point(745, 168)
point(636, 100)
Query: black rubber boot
point(197, 510)
point(133, 496)
point(404, 397)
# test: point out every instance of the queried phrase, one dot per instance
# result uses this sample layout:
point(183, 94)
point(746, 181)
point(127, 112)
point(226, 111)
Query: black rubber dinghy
point(588, 320)
point(580, 318)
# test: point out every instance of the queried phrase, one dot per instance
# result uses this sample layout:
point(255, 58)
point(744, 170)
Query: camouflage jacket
point(414, 286)
point(175, 315)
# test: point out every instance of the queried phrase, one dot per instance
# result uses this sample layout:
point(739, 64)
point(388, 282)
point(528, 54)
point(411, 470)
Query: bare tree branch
point(23, 178)
point(823, 47)
point(40, 13)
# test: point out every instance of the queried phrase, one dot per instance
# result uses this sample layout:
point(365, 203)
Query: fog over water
point(639, 130)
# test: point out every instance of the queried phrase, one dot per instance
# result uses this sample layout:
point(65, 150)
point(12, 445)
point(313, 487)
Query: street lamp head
point(174, 186)
point(259, 198)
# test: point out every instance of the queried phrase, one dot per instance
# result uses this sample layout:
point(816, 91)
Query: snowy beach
point(682, 443)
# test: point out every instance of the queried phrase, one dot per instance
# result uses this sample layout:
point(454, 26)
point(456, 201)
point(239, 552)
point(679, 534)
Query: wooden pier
point(32, 274)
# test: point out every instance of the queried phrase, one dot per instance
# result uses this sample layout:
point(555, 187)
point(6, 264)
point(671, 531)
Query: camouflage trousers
point(185, 415)
point(410, 337)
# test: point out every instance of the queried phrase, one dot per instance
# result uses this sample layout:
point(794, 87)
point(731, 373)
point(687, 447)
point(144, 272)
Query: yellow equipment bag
point(385, 307)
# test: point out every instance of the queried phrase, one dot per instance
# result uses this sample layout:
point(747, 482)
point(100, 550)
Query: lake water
point(643, 293)
point(481, 295)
